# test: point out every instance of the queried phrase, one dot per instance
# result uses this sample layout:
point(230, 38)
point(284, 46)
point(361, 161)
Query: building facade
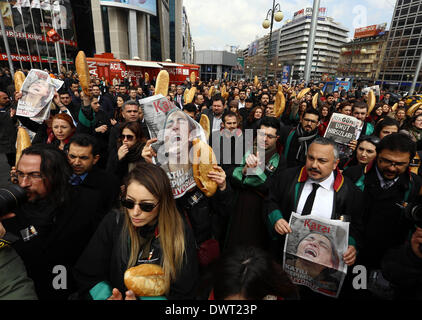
point(362, 58)
point(330, 37)
point(288, 47)
point(27, 35)
point(214, 64)
point(404, 47)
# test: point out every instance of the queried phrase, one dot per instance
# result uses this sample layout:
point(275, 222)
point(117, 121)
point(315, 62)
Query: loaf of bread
point(19, 79)
point(162, 83)
point(203, 162)
point(146, 280)
point(83, 72)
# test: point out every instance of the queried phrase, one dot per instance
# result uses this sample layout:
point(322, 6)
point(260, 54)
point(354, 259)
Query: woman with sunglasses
point(365, 153)
point(148, 229)
point(129, 150)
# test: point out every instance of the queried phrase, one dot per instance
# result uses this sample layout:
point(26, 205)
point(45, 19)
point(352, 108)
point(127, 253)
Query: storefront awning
point(170, 64)
point(144, 64)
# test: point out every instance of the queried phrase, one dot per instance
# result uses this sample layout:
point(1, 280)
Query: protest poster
point(37, 93)
point(175, 132)
point(342, 128)
point(313, 253)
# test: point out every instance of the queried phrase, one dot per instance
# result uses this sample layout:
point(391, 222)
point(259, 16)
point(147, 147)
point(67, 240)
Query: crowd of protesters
point(98, 205)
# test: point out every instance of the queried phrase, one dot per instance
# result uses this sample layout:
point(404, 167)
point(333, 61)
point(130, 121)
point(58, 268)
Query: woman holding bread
point(147, 229)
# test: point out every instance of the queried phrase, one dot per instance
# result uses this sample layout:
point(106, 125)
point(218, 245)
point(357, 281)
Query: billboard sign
point(148, 6)
point(370, 31)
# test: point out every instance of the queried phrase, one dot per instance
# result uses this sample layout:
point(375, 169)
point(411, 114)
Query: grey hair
point(325, 142)
point(130, 103)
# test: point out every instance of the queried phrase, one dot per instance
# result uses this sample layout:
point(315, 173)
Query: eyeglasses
point(145, 207)
point(128, 137)
point(33, 176)
point(390, 163)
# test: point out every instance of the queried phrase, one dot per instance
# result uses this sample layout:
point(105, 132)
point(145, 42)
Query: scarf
point(135, 153)
point(303, 137)
point(417, 133)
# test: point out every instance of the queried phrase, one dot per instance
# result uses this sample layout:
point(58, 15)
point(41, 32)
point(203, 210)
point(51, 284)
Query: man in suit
point(215, 115)
point(83, 156)
point(178, 98)
point(317, 189)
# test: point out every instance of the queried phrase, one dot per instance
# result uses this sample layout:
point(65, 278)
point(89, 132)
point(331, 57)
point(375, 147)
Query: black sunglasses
point(130, 204)
point(127, 136)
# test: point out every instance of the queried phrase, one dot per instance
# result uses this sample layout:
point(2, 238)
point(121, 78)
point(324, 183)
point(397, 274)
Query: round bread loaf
point(146, 280)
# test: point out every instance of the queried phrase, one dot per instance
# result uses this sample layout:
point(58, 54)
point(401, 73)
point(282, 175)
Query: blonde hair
point(170, 223)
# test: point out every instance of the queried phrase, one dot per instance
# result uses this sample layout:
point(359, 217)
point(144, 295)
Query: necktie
point(310, 200)
point(75, 180)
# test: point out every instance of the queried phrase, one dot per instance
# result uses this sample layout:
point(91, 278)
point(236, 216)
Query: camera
point(413, 212)
point(11, 197)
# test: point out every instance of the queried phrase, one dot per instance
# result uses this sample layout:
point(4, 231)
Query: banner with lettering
point(342, 128)
point(37, 93)
point(175, 132)
point(313, 253)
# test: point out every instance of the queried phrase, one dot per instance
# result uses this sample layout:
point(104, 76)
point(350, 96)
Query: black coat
point(106, 185)
point(384, 222)
point(63, 233)
point(106, 105)
point(283, 197)
point(7, 131)
point(103, 260)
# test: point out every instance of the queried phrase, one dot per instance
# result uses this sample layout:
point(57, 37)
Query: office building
point(404, 47)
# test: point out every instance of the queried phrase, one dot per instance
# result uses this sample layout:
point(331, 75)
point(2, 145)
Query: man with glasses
point(387, 187)
point(53, 227)
point(251, 181)
point(297, 141)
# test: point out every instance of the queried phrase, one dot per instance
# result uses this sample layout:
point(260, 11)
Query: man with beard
point(242, 98)
point(265, 100)
point(316, 189)
point(228, 143)
point(251, 182)
point(54, 226)
point(297, 141)
point(387, 187)
point(215, 115)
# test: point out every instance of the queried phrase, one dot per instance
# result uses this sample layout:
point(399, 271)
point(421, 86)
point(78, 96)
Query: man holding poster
point(317, 190)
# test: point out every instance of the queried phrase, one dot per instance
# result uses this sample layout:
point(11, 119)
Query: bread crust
point(19, 79)
point(146, 280)
point(83, 72)
point(203, 161)
point(162, 83)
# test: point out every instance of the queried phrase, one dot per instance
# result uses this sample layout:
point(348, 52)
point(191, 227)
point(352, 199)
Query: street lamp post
point(277, 16)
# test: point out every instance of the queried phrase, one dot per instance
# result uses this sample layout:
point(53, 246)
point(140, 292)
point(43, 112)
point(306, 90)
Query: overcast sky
point(216, 24)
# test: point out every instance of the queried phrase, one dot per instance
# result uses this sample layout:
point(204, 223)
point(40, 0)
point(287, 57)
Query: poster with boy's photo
point(313, 253)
